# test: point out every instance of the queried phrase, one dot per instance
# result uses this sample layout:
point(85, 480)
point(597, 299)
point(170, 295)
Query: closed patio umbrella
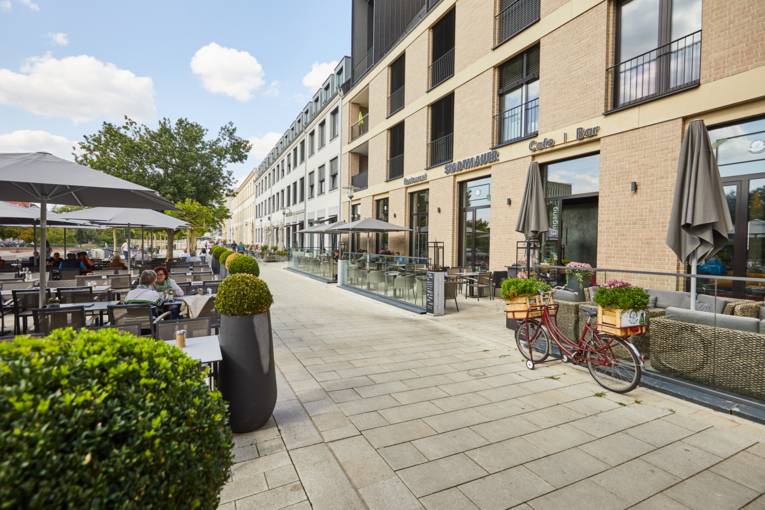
point(532, 218)
point(46, 179)
point(700, 221)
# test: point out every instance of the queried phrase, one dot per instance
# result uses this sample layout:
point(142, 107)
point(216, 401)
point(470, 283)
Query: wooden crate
point(621, 323)
point(518, 308)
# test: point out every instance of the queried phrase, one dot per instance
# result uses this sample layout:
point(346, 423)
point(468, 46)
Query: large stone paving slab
point(381, 408)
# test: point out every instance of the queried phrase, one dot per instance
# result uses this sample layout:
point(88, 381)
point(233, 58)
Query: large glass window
point(475, 223)
point(381, 213)
point(441, 131)
point(397, 77)
point(418, 238)
point(518, 97)
point(396, 151)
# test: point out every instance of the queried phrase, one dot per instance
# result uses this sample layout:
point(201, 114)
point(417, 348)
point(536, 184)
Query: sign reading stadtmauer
point(476, 161)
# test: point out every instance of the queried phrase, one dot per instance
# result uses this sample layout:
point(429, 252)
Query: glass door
point(475, 225)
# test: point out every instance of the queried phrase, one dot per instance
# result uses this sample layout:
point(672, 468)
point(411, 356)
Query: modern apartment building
point(298, 183)
point(451, 101)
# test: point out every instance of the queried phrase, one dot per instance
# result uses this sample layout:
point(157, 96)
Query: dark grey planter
point(215, 265)
point(572, 284)
point(248, 375)
point(223, 272)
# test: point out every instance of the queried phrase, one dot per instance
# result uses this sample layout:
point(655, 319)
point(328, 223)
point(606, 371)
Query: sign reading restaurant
point(546, 143)
point(408, 181)
point(474, 162)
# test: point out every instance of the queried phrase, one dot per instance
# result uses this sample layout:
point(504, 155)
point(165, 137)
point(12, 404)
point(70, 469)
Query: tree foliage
point(201, 218)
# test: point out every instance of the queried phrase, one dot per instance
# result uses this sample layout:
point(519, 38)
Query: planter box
point(519, 308)
point(248, 374)
point(622, 323)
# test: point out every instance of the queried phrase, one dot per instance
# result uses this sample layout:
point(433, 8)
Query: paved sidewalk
point(381, 408)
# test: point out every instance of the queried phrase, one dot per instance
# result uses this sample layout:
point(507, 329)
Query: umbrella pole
point(64, 242)
point(43, 227)
point(694, 269)
point(143, 258)
point(128, 247)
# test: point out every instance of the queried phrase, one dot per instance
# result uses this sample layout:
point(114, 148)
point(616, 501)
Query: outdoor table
point(96, 308)
point(206, 350)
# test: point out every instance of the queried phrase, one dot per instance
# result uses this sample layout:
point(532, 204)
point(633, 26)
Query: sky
point(66, 66)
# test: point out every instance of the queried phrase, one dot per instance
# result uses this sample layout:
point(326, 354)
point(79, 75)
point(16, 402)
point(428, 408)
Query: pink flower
point(615, 284)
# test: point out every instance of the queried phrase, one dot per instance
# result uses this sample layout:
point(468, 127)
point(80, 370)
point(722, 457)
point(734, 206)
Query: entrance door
point(579, 230)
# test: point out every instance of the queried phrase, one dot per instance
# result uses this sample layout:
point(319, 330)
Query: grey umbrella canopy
point(532, 218)
point(367, 225)
point(700, 221)
point(14, 215)
point(43, 178)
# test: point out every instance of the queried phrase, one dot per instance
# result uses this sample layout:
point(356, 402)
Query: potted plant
point(233, 256)
point(244, 265)
point(248, 375)
point(621, 308)
point(215, 263)
point(110, 420)
point(222, 256)
point(578, 277)
point(520, 294)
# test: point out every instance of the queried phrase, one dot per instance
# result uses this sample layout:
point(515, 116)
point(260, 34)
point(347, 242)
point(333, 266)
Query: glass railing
point(394, 277)
point(718, 345)
point(314, 261)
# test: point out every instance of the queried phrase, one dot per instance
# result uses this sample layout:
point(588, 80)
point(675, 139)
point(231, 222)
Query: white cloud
point(261, 145)
point(318, 73)
point(272, 90)
point(58, 38)
point(27, 140)
point(227, 71)
point(7, 5)
point(81, 88)
point(29, 3)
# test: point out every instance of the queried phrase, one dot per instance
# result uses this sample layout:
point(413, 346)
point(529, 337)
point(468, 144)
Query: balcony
point(396, 101)
point(514, 18)
point(442, 68)
point(360, 127)
point(396, 167)
point(517, 123)
point(440, 150)
point(670, 68)
point(360, 180)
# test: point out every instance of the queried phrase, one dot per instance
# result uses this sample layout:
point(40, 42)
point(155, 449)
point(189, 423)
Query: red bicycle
point(613, 362)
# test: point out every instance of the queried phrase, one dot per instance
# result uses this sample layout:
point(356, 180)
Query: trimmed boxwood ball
point(244, 265)
point(216, 251)
point(103, 419)
point(243, 294)
point(223, 255)
point(234, 255)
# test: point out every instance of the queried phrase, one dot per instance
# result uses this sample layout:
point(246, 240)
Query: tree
point(201, 218)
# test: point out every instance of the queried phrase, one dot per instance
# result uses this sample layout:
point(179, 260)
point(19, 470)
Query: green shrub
point(232, 256)
point(264, 248)
point(216, 251)
point(625, 298)
point(244, 265)
point(522, 287)
point(243, 294)
point(222, 256)
point(103, 419)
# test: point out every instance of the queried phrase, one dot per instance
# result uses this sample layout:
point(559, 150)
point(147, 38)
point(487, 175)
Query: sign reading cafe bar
point(466, 164)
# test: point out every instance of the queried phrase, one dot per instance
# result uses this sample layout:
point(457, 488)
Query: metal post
point(64, 242)
point(128, 248)
point(43, 239)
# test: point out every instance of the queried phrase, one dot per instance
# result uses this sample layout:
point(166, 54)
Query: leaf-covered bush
point(243, 294)
point(103, 419)
point(522, 287)
point(244, 265)
point(222, 256)
point(625, 298)
point(216, 251)
point(232, 256)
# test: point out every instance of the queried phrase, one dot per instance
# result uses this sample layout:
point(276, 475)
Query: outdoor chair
point(24, 301)
point(165, 330)
point(120, 281)
point(48, 319)
point(404, 283)
point(201, 276)
point(130, 315)
point(450, 292)
point(497, 277)
point(181, 278)
point(479, 284)
point(17, 284)
point(212, 285)
point(211, 314)
point(133, 329)
point(179, 270)
point(69, 273)
point(419, 290)
point(375, 278)
point(65, 284)
point(185, 287)
point(85, 280)
point(75, 295)
point(9, 276)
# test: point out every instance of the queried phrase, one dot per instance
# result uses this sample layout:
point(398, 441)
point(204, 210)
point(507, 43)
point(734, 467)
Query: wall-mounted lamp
point(439, 210)
point(394, 215)
point(633, 186)
point(509, 201)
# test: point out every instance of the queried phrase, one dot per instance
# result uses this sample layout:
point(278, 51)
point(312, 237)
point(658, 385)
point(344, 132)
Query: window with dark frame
point(442, 50)
point(441, 131)
point(397, 81)
point(311, 143)
point(302, 189)
point(513, 17)
point(334, 123)
point(310, 184)
point(396, 151)
point(381, 213)
point(322, 179)
point(302, 150)
point(518, 91)
point(333, 171)
point(322, 134)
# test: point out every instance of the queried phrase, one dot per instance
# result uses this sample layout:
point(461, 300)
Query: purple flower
point(615, 284)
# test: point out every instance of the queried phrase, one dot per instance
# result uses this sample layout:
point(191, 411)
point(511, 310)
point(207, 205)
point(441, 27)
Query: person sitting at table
point(55, 261)
point(71, 262)
point(144, 293)
point(400, 259)
point(86, 265)
point(164, 283)
point(116, 263)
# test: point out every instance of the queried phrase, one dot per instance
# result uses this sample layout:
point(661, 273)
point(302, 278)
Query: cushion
point(667, 298)
point(716, 320)
point(565, 295)
point(705, 303)
point(762, 312)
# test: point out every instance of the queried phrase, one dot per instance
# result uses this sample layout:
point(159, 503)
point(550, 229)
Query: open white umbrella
point(46, 179)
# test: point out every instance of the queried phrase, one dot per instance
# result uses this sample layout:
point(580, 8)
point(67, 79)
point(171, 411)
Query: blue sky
point(66, 66)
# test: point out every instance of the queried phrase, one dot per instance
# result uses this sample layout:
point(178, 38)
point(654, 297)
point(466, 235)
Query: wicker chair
point(48, 319)
point(75, 295)
point(129, 315)
point(165, 330)
point(451, 289)
point(24, 302)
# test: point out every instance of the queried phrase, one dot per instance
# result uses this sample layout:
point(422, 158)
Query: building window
point(397, 80)
point(294, 193)
point(281, 199)
point(333, 171)
point(302, 189)
point(396, 151)
point(294, 157)
point(475, 223)
point(302, 150)
point(311, 185)
point(322, 134)
point(355, 215)
point(322, 179)
point(418, 214)
point(334, 123)
point(311, 143)
point(442, 50)
point(441, 131)
point(658, 49)
point(518, 97)
point(381, 213)
point(513, 17)
point(289, 197)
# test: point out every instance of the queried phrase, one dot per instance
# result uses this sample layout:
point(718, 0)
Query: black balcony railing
point(360, 180)
point(396, 100)
point(396, 167)
point(517, 123)
point(667, 69)
point(440, 150)
point(442, 68)
point(363, 65)
point(360, 127)
point(514, 18)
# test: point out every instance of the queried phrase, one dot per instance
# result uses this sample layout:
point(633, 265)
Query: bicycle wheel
point(613, 363)
point(540, 342)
